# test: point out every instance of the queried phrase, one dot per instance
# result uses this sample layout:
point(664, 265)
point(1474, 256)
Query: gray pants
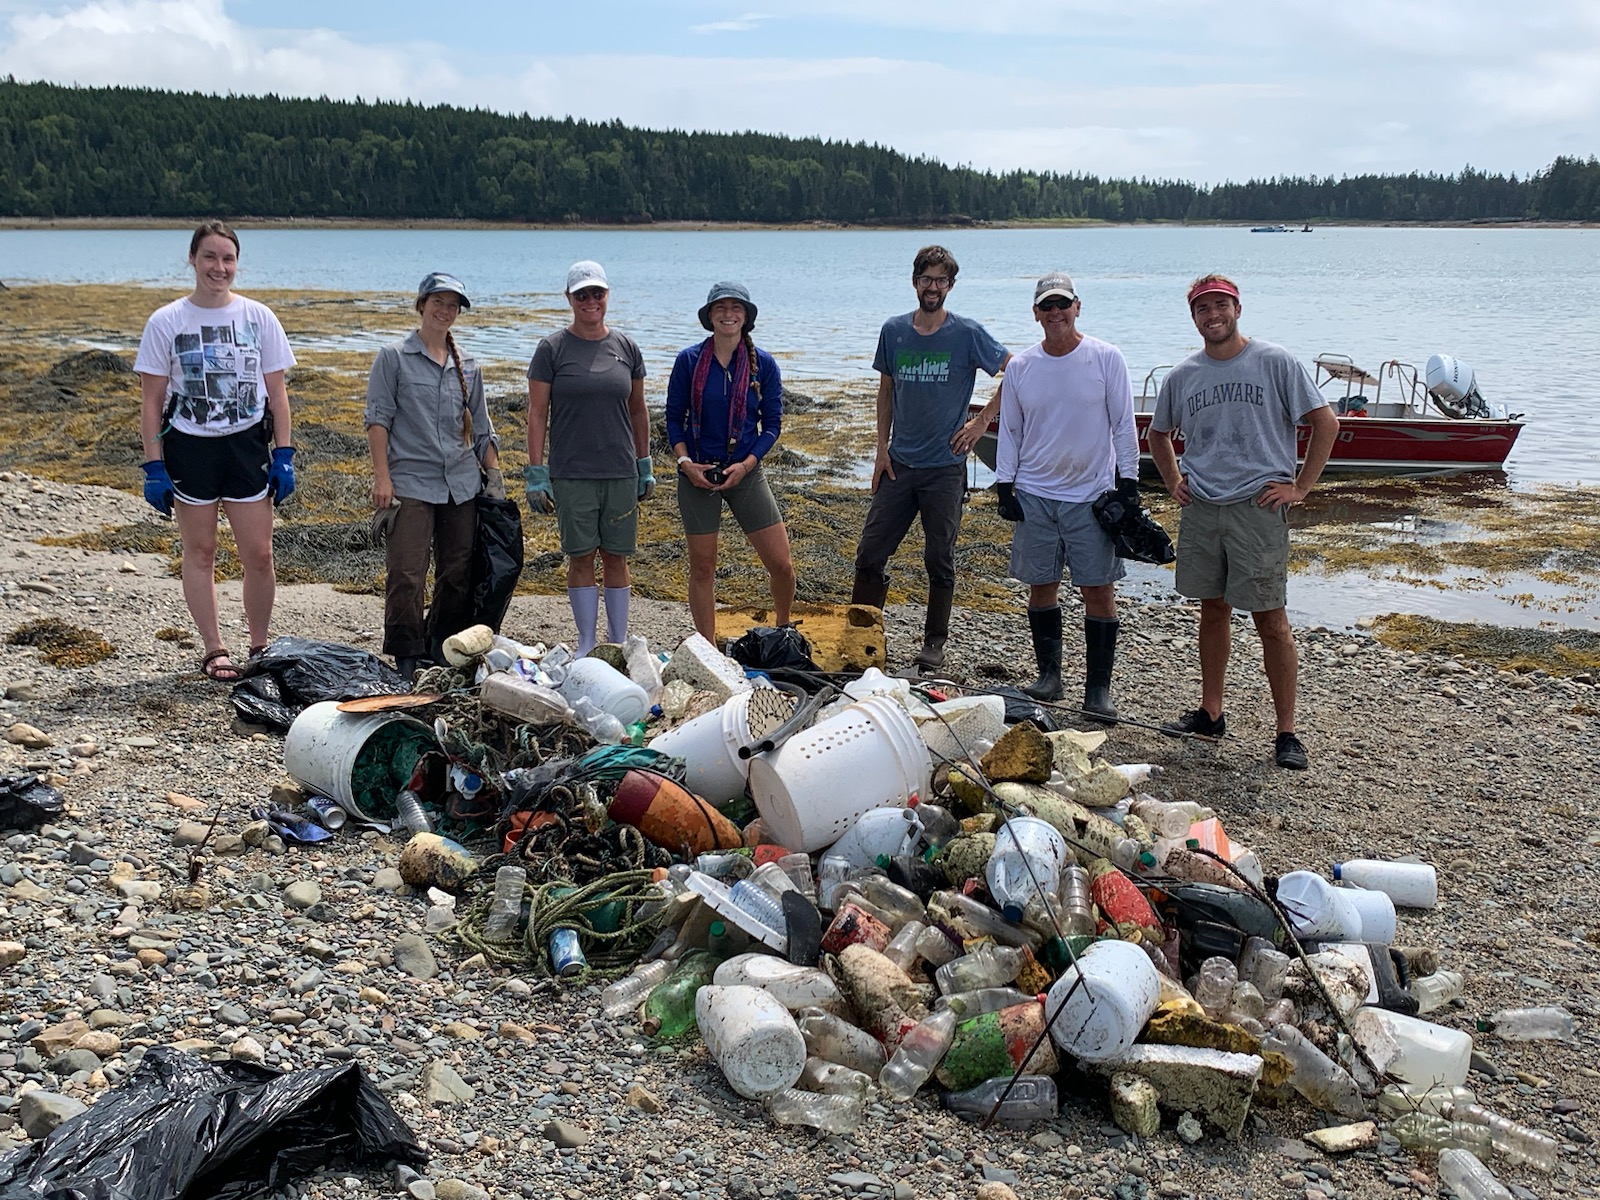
point(935, 494)
point(446, 531)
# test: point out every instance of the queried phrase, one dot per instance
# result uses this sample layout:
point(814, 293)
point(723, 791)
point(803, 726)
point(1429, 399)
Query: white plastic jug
point(1317, 909)
point(883, 831)
point(1028, 854)
point(793, 986)
point(1408, 884)
point(1100, 1016)
point(1429, 1054)
point(1375, 911)
point(752, 1037)
point(607, 688)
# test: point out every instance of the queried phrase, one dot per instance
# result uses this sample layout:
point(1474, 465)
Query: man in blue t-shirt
point(927, 363)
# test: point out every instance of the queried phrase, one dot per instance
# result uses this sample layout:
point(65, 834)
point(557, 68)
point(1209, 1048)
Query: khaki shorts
point(597, 514)
point(750, 499)
point(1062, 535)
point(1236, 552)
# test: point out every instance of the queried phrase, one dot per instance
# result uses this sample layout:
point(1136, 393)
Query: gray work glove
point(494, 484)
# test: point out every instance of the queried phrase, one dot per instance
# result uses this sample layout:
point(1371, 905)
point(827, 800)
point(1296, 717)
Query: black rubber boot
point(407, 665)
point(871, 588)
point(1045, 625)
point(1100, 655)
point(936, 628)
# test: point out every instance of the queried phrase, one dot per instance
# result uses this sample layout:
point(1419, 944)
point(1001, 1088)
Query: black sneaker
point(1290, 753)
point(1197, 720)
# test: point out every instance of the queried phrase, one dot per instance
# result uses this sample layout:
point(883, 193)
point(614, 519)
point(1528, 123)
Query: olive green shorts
point(1235, 552)
point(750, 499)
point(597, 514)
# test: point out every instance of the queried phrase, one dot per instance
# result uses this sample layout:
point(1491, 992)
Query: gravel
point(518, 1092)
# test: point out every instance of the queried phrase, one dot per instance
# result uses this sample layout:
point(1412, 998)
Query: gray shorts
point(597, 514)
point(1057, 534)
point(750, 499)
point(1238, 553)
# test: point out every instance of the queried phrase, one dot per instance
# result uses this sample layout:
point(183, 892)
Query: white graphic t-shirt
point(216, 361)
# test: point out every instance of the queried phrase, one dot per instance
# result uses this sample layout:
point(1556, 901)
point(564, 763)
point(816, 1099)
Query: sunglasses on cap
point(1055, 303)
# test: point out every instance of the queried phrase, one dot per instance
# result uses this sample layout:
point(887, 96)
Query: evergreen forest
point(138, 152)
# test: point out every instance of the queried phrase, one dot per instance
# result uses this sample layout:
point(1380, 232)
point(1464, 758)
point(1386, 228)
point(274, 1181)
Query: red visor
point(1221, 286)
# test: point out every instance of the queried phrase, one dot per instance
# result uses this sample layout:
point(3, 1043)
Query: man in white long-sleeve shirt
point(1066, 436)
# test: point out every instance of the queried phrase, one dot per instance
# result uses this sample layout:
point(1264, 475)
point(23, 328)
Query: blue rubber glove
point(647, 477)
point(536, 482)
point(1006, 501)
point(158, 489)
point(280, 481)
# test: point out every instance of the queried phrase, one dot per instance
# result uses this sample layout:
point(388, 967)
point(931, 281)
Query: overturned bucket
point(814, 787)
point(359, 760)
point(709, 744)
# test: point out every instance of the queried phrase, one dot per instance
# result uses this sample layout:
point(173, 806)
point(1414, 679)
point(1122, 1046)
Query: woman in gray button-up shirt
point(433, 451)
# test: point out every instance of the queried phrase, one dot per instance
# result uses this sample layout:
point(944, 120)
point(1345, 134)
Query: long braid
point(466, 399)
point(750, 349)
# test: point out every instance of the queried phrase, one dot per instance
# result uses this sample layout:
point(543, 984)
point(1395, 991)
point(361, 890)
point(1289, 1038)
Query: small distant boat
point(1270, 229)
point(1439, 422)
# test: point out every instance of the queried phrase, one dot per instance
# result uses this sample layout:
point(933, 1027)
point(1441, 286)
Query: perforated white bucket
point(709, 746)
point(814, 787)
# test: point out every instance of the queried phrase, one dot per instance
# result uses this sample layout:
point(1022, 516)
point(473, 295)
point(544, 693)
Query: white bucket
point(359, 760)
point(1376, 911)
point(709, 746)
point(1110, 1004)
point(813, 788)
point(752, 1037)
point(607, 688)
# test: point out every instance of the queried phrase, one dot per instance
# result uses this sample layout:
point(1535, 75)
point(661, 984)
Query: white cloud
point(742, 24)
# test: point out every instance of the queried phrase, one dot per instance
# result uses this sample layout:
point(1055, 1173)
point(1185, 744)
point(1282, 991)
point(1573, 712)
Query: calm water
point(1521, 306)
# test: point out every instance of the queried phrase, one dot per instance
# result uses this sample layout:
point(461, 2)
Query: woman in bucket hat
point(724, 412)
point(433, 452)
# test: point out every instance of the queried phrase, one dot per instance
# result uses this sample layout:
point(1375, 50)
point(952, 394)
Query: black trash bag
point(305, 672)
point(181, 1127)
point(496, 560)
point(1134, 532)
point(1022, 707)
point(26, 801)
point(767, 649)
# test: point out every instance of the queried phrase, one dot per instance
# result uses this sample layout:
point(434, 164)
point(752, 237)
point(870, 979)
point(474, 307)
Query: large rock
point(1135, 1104)
point(1342, 1139)
point(57, 1038)
point(40, 1112)
point(413, 956)
point(442, 1085)
point(1022, 755)
point(1214, 1083)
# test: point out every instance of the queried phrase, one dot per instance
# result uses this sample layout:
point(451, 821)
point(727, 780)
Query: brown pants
point(445, 531)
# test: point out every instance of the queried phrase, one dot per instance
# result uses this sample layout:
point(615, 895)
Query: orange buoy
point(671, 816)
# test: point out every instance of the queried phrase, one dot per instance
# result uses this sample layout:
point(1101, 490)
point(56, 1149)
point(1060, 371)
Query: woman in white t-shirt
point(215, 424)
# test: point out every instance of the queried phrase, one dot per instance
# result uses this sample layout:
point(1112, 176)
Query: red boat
point(1432, 423)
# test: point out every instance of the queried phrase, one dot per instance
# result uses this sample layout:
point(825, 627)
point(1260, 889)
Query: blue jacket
point(763, 418)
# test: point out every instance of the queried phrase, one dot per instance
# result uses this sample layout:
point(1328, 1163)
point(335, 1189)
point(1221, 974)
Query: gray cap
point(438, 281)
point(586, 274)
point(1057, 283)
point(729, 291)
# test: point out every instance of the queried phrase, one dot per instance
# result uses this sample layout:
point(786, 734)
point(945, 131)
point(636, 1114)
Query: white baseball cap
point(586, 274)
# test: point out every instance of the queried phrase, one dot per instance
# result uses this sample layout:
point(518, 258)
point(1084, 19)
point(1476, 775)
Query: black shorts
point(207, 469)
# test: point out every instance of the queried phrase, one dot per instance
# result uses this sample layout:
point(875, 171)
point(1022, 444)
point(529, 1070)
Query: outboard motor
point(1454, 391)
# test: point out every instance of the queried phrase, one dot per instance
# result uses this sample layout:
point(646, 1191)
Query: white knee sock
point(617, 613)
point(585, 602)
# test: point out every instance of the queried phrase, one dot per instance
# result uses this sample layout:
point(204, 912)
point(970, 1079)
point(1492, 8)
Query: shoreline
point(41, 224)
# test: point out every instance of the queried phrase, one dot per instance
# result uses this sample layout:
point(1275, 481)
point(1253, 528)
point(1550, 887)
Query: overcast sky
point(1158, 88)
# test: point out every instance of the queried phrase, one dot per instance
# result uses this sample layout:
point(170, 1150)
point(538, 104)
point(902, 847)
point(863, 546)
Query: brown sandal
point(212, 667)
point(258, 651)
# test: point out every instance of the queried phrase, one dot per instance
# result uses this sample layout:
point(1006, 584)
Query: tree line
point(139, 152)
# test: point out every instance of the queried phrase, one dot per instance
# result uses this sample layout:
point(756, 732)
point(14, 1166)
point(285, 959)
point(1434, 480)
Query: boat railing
point(1151, 389)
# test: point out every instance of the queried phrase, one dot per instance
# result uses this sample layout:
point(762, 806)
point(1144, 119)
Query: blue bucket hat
point(729, 291)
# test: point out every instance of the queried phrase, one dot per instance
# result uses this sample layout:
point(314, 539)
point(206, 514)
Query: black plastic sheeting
point(181, 1128)
point(293, 673)
point(767, 649)
point(496, 560)
point(27, 801)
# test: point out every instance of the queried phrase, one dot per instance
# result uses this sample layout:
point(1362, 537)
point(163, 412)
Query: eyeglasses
point(1055, 303)
point(589, 293)
point(933, 281)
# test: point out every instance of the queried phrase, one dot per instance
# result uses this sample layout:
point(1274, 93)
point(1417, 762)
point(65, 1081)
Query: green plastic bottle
point(669, 1011)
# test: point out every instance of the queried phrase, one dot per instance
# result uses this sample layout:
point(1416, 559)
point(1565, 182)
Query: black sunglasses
point(1055, 303)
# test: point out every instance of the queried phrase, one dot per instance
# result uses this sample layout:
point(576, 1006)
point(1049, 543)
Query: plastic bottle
point(1397, 1099)
point(1529, 1024)
point(902, 906)
point(936, 947)
point(834, 1079)
point(918, 876)
point(1213, 989)
point(605, 727)
point(939, 824)
point(505, 909)
point(751, 1037)
point(410, 814)
point(1316, 1076)
point(988, 966)
point(1245, 1004)
point(1281, 1012)
point(836, 1113)
point(643, 667)
point(1419, 1131)
point(726, 865)
point(798, 868)
point(1408, 884)
point(832, 872)
point(523, 700)
point(887, 831)
point(1261, 964)
point(1463, 1173)
point(1317, 909)
point(1436, 990)
point(629, 992)
point(1076, 911)
point(1515, 1141)
point(773, 879)
point(1164, 819)
point(793, 986)
point(919, 1055)
point(1028, 856)
point(669, 1009)
point(829, 1036)
point(902, 947)
point(973, 918)
point(983, 1000)
point(1029, 1098)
